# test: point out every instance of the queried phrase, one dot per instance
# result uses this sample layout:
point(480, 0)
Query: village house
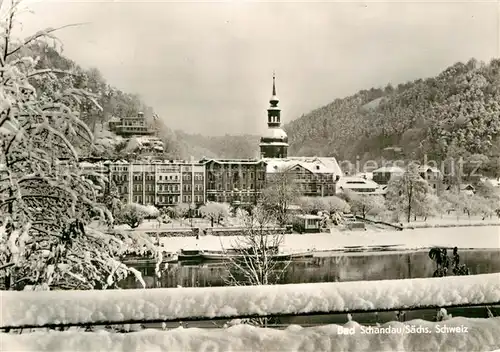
point(383, 175)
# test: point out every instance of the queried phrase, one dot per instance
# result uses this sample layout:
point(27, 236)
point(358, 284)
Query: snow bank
point(27, 308)
point(463, 237)
point(415, 335)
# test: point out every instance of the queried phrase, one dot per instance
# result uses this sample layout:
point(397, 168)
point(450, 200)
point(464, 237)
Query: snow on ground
point(450, 220)
point(456, 334)
point(25, 308)
point(461, 237)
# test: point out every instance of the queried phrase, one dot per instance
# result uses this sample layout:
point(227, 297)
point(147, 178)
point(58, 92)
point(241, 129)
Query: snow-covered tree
point(134, 214)
point(366, 204)
point(46, 198)
point(279, 194)
point(336, 204)
point(311, 205)
point(405, 193)
point(215, 212)
point(181, 211)
point(428, 206)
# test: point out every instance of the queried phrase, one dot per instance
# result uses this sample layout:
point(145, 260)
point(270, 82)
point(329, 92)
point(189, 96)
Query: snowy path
point(456, 334)
point(462, 237)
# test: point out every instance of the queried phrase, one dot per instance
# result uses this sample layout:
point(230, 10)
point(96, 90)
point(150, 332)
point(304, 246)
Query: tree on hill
point(406, 193)
point(46, 204)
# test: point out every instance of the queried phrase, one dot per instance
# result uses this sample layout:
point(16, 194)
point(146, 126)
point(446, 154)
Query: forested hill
point(228, 146)
point(456, 112)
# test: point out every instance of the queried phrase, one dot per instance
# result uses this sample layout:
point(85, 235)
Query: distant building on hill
point(131, 126)
point(274, 142)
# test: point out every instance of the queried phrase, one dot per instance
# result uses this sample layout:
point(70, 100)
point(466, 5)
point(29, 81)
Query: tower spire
point(274, 83)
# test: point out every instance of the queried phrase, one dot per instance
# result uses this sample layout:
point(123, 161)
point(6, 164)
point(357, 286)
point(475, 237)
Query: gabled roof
point(389, 169)
point(233, 161)
point(354, 182)
point(427, 168)
point(312, 164)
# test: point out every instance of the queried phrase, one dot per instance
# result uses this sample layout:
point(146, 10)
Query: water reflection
point(338, 267)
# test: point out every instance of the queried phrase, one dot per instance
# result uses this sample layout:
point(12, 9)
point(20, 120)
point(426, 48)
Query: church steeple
point(274, 112)
point(274, 99)
point(274, 143)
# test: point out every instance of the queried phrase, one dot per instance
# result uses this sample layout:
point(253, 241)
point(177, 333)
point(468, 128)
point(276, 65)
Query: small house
point(307, 223)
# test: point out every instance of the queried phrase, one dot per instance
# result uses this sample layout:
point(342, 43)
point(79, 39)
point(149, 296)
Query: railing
point(56, 309)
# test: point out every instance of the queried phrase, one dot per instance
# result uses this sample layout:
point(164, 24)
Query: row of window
point(167, 188)
point(151, 177)
point(149, 199)
point(244, 198)
point(231, 186)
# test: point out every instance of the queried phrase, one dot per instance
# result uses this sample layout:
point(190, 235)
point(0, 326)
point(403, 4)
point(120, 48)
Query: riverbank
point(461, 237)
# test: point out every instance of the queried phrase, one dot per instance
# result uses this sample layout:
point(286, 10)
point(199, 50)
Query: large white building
point(316, 176)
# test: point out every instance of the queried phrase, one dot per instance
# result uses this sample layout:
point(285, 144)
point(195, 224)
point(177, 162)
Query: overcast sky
point(206, 67)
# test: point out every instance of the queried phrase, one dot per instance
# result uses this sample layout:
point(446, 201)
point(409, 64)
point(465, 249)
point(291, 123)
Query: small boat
point(302, 255)
point(220, 255)
point(169, 257)
point(193, 254)
point(233, 254)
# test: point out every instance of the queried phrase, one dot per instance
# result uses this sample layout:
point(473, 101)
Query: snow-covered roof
point(320, 165)
point(427, 168)
point(275, 133)
point(309, 216)
point(278, 144)
point(354, 182)
point(232, 161)
point(389, 169)
point(87, 164)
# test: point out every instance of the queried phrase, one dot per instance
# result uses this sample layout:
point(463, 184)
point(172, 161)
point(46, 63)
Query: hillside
point(228, 146)
point(456, 112)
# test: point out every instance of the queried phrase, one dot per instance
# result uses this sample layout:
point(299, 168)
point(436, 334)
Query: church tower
point(274, 143)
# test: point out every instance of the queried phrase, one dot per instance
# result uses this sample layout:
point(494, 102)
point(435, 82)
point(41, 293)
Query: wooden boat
point(233, 254)
point(190, 254)
point(168, 257)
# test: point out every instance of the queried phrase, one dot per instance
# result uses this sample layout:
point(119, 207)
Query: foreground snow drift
point(27, 308)
point(457, 334)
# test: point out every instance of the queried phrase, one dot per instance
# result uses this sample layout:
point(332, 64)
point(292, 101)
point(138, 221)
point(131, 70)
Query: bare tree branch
point(40, 34)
